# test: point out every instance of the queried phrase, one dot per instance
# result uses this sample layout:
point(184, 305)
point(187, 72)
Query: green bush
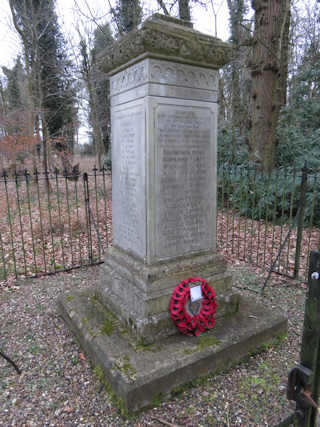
point(299, 124)
point(226, 139)
point(273, 197)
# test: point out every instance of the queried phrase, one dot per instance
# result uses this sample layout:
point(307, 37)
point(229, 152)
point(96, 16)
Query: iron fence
point(271, 220)
point(51, 222)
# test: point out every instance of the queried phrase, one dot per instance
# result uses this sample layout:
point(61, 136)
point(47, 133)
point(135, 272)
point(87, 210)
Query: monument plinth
point(164, 90)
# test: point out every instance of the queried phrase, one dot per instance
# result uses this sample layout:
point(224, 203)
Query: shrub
point(274, 197)
point(226, 139)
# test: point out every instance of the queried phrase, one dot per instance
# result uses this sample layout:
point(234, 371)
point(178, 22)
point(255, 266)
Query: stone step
point(137, 374)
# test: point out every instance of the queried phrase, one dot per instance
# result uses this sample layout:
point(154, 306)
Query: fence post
point(88, 217)
point(9, 219)
point(310, 346)
point(304, 379)
point(302, 205)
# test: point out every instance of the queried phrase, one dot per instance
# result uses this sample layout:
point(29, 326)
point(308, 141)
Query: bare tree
point(97, 85)
point(20, 26)
point(49, 81)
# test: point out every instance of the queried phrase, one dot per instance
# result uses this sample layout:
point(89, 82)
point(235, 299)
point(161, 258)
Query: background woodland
point(269, 94)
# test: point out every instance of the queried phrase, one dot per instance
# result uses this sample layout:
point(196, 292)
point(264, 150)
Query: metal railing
point(51, 222)
point(271, 220)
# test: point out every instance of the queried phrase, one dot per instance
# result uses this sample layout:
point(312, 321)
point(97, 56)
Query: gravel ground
point(58, 388)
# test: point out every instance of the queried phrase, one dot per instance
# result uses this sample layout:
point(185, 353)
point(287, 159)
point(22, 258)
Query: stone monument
point(164, 93)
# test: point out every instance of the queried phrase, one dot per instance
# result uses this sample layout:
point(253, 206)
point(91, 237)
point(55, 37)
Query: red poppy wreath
point(192, 320)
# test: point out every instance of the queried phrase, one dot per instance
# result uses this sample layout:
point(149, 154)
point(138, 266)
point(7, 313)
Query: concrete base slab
point(140, 374)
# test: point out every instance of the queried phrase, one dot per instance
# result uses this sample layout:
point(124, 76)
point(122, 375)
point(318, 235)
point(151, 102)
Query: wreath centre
point(193, 306)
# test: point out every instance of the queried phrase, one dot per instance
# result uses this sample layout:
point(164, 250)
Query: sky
point(80, 12)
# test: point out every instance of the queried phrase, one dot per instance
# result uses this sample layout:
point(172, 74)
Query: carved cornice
point(163, 38)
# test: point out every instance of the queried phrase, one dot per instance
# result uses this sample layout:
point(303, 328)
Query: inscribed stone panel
point(184, 203)
point(128, 187)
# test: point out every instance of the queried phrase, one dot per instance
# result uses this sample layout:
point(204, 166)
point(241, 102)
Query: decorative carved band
point(129, 78)
point(164, 72)
point(183, 75)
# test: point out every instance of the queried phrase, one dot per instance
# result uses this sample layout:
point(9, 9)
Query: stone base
point(139, 294)
point(140, 374)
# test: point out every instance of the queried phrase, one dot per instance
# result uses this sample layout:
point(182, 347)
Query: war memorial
point(164, 311)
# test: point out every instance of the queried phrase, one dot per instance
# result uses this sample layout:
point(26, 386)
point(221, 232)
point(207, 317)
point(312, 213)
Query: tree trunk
point(184, 10)
point(237, 9)
point(268, 71)
point(45, 139)
point(87, 72)
point(284, 53)
point(222, 101)
point(97, 137)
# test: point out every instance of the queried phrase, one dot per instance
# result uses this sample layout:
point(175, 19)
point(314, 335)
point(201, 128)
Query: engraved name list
point(129, 182)
point(184, 197)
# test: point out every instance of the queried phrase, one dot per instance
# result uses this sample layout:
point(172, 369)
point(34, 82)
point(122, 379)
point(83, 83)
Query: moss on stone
point(124, 366)
point(142, 346)
point(158, 398)
point(96, 301)
point(108, 327)
point(84, 321)
point(273, 342)
point(190, 350)
point(205, 341)
point(116, 400)
point(109, 322)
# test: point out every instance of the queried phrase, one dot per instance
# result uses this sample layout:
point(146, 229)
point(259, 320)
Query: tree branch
point(163, 7)
point(166, 423)
point(11, 362)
